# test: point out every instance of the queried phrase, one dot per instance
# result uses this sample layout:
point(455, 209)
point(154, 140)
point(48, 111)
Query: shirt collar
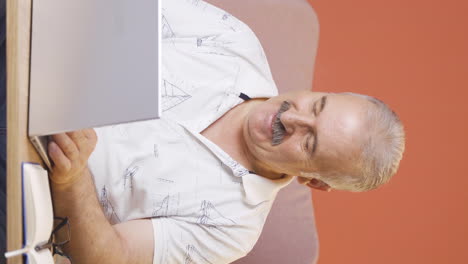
point(259, 189)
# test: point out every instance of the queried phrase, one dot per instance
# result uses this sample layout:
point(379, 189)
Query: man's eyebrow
point(323, 102)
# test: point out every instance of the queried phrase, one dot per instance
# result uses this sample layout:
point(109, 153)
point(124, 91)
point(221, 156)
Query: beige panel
point(19, 148)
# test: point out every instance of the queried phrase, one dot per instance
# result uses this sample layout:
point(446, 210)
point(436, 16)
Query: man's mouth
point(277, 127)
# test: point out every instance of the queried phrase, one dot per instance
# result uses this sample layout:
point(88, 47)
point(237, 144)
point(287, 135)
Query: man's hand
point(93, 238)
point(70, 152)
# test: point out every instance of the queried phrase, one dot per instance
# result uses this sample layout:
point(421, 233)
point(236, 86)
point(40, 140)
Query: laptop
point(93, 63)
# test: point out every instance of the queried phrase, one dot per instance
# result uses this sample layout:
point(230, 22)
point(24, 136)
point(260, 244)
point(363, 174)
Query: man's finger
point(61, 162)
point(67, 145)
point(92, 138)
point(90, 134)
point(79, 138)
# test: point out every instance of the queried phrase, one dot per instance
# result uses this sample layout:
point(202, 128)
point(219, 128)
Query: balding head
point(383, 148)
point(380, 148)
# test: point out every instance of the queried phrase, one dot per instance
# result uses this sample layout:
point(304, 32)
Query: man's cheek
point(286, 154)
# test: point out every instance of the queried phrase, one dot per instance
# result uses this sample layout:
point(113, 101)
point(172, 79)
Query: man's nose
point(293, 121)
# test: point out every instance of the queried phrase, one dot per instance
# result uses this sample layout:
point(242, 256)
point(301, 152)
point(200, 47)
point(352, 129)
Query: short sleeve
point(178, 241)
point(196, 18)
point(208, 51)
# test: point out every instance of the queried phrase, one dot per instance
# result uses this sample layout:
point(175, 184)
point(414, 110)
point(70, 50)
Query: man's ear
point(302, 180)
point(314, 183)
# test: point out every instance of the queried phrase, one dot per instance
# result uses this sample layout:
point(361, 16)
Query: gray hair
point(380, 155)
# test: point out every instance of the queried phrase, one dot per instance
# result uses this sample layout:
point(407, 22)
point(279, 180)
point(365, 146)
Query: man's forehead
point(344, 123)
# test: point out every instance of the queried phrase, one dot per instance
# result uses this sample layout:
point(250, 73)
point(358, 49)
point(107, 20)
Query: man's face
point(306, 131)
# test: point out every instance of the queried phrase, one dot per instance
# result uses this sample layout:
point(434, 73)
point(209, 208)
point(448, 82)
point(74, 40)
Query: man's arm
point(93, 238)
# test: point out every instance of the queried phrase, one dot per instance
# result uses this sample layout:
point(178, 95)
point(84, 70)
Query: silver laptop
point(93, 63)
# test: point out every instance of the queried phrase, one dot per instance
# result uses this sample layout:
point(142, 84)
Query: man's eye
point(308, 143)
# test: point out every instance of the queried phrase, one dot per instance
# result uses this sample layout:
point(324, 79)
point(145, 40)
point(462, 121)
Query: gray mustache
point(278, 129)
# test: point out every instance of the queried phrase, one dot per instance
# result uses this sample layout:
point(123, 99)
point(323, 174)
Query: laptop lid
point(93, 63)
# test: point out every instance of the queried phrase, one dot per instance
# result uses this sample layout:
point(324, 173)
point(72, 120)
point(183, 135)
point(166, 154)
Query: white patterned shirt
point(205, 206)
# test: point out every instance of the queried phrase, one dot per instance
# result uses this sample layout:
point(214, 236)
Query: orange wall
point(413, 54)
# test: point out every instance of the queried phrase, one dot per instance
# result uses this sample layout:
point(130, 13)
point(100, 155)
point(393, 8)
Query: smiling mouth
point(277, 127)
